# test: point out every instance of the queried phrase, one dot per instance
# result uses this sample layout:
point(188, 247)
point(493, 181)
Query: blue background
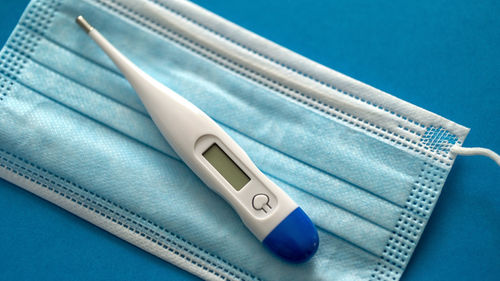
point(441, 55)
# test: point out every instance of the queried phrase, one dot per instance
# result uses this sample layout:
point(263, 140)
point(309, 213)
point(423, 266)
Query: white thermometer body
point(268, 212)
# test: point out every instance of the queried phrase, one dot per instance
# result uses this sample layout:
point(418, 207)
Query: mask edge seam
point(410, 226)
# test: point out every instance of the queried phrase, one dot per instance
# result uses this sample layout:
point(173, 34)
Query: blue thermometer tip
point(295, 239)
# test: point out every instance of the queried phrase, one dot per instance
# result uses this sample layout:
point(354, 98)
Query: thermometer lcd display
point(226, 167)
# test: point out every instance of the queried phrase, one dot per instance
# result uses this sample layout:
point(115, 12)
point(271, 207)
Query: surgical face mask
point(365, 166)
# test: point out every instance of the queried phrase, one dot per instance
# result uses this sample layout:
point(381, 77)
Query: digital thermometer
point(270, 214)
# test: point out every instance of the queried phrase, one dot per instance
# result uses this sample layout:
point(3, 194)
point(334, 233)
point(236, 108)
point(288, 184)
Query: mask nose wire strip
point(467, 151)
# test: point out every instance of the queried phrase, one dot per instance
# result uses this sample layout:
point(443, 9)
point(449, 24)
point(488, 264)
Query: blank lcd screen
point(226, 167)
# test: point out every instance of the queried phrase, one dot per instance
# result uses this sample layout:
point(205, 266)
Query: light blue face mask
point(365, 166)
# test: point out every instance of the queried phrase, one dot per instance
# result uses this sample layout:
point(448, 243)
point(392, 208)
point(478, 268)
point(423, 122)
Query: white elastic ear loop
point(476, 151)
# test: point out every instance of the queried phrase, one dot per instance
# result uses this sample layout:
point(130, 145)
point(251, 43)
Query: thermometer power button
point(260, 202)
